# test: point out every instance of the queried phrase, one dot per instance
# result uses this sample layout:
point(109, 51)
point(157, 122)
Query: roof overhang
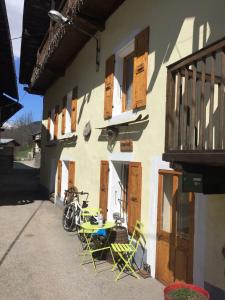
point(8, 107)
point(8, 84)
point(9, 142)
point(63, 43)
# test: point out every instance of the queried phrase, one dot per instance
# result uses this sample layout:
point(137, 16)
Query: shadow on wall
point(133, 132)
point(205, 29)
point(167, 25)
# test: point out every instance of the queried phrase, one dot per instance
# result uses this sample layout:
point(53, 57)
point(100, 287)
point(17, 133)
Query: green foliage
point(185, 294)
point(22, 152)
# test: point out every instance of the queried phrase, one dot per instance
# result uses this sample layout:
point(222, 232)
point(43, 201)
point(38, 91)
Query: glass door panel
point(183, 212)
point(166, 203)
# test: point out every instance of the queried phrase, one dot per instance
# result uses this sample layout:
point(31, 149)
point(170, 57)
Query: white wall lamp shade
point(57, 17)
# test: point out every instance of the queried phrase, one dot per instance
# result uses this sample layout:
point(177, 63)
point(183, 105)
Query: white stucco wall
point(177, 28)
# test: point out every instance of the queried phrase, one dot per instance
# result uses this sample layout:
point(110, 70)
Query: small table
point(91, 227)
point(88, 229)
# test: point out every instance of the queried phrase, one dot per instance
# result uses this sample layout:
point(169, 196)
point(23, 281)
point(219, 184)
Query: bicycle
point(72, 213)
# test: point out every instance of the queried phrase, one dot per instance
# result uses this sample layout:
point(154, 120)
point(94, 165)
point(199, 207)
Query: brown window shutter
point(109, 84)
point(63, 128)
point(59, 181)
point(71, 179)
point(48, 125)
point(56, 121)
point(104, 178)
point(134, 194)
point(74, 110)
point(140, 69)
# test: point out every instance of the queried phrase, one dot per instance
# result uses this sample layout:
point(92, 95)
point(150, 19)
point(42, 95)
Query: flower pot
point(176, 288)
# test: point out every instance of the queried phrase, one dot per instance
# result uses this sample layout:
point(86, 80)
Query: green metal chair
point(91, 238)
point(127, 251)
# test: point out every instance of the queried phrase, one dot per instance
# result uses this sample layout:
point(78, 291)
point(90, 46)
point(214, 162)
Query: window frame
point(124, 87)
point(120, 54)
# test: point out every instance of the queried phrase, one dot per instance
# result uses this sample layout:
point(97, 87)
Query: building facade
point(105, 123)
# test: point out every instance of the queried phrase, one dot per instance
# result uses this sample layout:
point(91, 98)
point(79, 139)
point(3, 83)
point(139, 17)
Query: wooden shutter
point(74, 110)
point(56, 121)
point(109, 80)
point(63, 128)
point(59, 181)
point(48, 125)
point(71, 178)
point(140, 69)
point(134, 194)
point(104, 178)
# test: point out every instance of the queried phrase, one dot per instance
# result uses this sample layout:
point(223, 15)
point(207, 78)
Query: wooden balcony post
point(184, 128)
point(211, 104)
point(221, 105)
point(170, 102)
point(193, 108)
point(177, 134)
point(202, 108)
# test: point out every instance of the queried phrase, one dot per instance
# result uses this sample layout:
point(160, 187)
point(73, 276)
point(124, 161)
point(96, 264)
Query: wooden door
point(175, 230)
point(134, 194)
point(104, 179)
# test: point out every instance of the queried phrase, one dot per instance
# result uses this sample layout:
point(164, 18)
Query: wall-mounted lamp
point(57, 17)
point(112, 133)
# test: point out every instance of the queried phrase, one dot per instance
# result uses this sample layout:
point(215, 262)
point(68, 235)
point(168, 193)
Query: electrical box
point(192, 182)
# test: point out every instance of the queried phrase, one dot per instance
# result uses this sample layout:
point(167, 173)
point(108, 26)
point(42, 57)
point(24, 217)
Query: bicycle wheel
point(68, 219)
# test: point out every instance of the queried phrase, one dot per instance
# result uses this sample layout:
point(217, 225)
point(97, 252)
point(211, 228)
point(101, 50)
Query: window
point(50, 125)
point(56, 120)
point(126, 77)
point(66, 176)
point(69, 112)
point(128, 69)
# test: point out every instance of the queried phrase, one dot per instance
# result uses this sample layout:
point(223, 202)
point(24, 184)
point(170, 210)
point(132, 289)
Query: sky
point(30, 102)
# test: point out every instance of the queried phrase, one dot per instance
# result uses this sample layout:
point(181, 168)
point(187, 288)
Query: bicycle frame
point(77, 207)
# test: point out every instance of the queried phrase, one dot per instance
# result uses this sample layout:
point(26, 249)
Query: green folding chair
point(89, 250)
point(126, 252)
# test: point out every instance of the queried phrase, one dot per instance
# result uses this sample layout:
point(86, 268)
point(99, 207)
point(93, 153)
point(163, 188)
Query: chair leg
point(126, 265)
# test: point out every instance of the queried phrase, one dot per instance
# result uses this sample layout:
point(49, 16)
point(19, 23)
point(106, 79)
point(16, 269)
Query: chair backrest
point(91, 211)
point(138, 236)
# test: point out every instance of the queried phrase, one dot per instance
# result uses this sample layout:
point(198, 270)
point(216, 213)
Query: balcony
point(63, 42)
point(195, 108)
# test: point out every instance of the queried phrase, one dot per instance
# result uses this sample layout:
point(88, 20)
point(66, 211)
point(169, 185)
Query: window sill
point(67, 135)
point(66, 138)
point(124, 117)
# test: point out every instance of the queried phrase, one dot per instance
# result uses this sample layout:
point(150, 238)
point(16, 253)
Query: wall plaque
point(126, 145)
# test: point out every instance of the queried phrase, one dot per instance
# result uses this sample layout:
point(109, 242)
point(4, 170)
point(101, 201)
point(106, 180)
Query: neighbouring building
point(8, 85)
point(36, 143)
point(135, 116)
point(7, 147)
point(37, 148)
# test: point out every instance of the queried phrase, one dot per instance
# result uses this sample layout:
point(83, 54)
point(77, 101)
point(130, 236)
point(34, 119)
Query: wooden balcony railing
point(51, 42)
point(195, 108)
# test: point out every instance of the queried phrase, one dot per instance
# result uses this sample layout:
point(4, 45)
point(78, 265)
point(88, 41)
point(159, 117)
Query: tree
point(22, 130)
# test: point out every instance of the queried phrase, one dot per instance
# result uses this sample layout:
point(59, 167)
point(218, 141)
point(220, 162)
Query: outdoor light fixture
point(57, 17)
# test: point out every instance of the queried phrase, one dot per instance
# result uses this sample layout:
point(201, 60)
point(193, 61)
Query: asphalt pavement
point(39, 260)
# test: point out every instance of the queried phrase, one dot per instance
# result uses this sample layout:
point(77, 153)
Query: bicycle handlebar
point(77, 193)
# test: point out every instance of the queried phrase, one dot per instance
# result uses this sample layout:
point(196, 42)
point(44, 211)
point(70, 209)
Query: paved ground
point(38, 260)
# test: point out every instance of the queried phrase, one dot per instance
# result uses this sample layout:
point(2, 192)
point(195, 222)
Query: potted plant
point(183, 291)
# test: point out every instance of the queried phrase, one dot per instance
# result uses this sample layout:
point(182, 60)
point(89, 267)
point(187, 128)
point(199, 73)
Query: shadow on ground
point(21, 185)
